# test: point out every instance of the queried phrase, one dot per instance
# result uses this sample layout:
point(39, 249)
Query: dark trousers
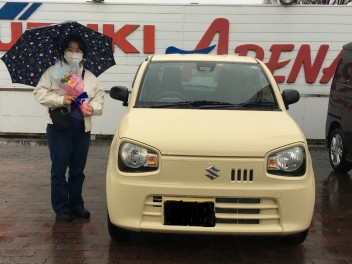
point(68, 149)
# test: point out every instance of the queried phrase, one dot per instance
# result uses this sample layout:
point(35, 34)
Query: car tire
point(338, 151)
point(117, 234)
point(295, 239)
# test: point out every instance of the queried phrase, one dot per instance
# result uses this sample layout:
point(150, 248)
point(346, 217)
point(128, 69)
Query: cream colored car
point(207, 146)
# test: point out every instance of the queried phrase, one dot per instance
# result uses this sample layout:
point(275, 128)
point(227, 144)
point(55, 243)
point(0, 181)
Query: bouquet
point(69, 79)
point(71, 83)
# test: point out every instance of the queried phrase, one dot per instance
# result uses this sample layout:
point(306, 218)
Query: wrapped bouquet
point(69, 79)
point(71, 83)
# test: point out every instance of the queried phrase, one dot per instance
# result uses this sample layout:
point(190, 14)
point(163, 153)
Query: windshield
point(208, 85)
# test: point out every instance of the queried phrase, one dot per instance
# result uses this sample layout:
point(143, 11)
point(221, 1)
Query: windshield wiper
point(258, 104)
point(207, 104)
point(198, 104)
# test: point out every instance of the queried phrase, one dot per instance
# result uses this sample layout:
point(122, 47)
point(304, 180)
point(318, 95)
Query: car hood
point(193, 132)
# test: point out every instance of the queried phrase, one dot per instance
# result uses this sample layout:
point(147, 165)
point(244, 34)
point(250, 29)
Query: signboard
point(300, 44)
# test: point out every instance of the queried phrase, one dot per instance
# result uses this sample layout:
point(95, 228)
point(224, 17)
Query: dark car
point(338, 129)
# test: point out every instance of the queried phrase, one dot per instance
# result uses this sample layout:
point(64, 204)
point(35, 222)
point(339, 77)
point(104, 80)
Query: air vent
point(229, 210)
point(157, 201)
point(242, 175)
point(237, 211)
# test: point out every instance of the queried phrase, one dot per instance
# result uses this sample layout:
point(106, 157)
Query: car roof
point(202, 57)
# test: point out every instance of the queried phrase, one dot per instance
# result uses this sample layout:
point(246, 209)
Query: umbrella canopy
point(39, 48)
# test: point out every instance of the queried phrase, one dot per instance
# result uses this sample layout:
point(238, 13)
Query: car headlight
point(135, 158)
point(288, 162)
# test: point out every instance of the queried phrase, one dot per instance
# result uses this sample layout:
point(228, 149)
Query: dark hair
point(66, 42)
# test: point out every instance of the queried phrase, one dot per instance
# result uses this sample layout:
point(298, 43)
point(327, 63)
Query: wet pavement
point(29, 233)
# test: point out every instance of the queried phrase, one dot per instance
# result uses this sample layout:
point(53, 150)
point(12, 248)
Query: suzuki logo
point(212, 172)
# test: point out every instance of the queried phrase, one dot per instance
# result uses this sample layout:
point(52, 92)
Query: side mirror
point(120, 93)
point(290, 96)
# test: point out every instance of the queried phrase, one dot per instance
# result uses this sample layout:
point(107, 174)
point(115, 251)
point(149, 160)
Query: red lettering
point(16, 32)
point(243, 50)
point(34, 24)
point(119, 36)
point(304, 59)
point(221, 26)
point(149, 39)
point(274, 63)
point(328, 72)
point(93, 26)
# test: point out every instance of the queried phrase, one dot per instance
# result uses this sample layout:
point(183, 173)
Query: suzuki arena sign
point(221, 27)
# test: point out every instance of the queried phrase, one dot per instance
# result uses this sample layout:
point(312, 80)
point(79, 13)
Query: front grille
point(228, 210)
point(242, 175)
point(157, 200)
point(233, 210)
point(245, 210)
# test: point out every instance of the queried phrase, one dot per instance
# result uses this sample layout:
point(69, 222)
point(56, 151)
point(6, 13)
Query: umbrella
point(39, 48)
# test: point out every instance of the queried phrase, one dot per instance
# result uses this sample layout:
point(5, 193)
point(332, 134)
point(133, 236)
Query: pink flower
point(74, 84)
point(75, 78)
point(85, 108)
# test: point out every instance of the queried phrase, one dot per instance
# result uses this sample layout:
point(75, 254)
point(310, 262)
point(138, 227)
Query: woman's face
point(73, 47)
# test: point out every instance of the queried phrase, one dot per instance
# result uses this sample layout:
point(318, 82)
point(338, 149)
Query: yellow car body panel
point(190, 144)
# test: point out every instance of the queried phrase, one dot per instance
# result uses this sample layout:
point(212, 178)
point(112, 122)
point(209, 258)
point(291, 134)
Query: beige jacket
point(49, 94)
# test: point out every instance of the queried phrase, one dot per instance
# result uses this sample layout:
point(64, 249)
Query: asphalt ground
point(30, 234)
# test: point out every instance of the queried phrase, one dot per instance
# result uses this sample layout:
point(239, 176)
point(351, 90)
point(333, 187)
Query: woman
point(69, 148)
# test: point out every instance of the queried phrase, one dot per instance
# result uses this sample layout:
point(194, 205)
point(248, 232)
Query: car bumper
point(255, 204)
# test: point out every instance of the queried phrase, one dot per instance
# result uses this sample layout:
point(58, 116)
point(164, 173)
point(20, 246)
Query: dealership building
point(301, 45)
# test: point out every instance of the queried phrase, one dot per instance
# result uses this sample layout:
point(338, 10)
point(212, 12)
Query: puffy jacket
point(50, 95)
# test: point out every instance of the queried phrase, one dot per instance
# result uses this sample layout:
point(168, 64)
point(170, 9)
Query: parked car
point(338, 129)
point(206, 146)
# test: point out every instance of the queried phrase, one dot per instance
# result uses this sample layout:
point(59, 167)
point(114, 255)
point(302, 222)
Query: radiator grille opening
point(157, 201)
point(237, 210)
point(242, 175)
point(238, 200)
point(228, 210)
point(238, 221)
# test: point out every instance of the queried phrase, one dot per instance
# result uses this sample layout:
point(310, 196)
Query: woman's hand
point(68, 99)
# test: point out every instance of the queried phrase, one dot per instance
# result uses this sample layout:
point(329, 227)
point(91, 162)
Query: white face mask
point(71, 57)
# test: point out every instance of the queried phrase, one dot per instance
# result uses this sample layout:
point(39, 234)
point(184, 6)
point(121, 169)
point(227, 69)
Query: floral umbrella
point(39, 48)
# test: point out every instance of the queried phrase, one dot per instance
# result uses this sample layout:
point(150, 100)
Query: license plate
point(189, 213)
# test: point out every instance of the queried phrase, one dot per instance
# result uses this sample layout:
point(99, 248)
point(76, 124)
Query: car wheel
point(116, 233)
point(337, 151)
point(295, 239)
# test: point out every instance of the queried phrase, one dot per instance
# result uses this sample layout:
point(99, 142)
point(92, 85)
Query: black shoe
point(64, 216)
point(81, 213)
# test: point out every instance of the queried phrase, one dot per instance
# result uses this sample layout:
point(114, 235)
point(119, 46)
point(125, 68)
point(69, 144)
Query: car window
point(236, 84)
point(343, 73)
